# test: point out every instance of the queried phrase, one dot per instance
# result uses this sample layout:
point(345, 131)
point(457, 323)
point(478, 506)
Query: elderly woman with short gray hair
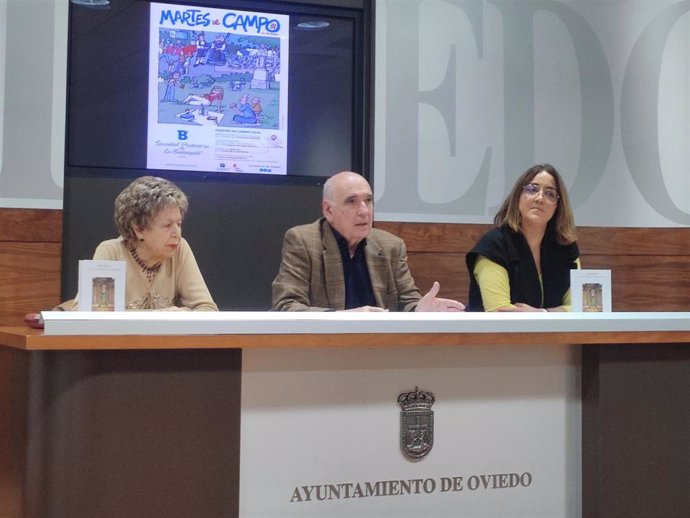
point(162, 273)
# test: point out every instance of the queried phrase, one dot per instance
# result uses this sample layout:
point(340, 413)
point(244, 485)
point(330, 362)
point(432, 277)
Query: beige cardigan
point(177, 283)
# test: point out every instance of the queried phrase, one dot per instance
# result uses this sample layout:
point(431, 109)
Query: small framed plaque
point(102, 285)
point(590, 290)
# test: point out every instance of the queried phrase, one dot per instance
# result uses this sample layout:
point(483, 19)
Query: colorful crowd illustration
point(218, 79)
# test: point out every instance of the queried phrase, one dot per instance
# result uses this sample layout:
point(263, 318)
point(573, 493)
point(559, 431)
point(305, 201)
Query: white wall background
point(469, 93)
point(33, 69)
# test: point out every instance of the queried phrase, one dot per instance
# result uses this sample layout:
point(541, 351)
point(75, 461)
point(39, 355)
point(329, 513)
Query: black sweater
point(510, 250)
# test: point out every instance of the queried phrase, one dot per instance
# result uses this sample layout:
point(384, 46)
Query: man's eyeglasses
point(532, 189)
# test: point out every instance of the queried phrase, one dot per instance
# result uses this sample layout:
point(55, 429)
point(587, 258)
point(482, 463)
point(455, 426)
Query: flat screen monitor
point(216, 89)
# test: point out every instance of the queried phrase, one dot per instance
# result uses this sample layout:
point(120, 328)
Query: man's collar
point(342, 242)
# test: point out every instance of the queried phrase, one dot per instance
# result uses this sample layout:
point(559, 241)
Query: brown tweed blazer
point(311, 271)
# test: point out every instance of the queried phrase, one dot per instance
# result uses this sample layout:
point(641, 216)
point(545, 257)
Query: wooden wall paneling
point(448, 269)
point(31, 279)
point(634, 241)
point(436, 237)
point(30, 245)
point(450, 237)
point(650, 267)
point(31, 225)
point(646, 282)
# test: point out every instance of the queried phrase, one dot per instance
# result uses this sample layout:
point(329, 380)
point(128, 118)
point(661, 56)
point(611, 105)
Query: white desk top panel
point(266, 322)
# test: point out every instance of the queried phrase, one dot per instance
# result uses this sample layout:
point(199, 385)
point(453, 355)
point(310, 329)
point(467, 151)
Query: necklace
point(150, 271)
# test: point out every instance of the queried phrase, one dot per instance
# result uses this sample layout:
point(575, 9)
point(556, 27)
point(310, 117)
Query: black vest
point(510, 250)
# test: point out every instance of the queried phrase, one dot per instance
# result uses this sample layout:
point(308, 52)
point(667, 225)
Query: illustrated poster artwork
point(229, 80)
point(103, 298)
point(218, 93)
point(592, 298)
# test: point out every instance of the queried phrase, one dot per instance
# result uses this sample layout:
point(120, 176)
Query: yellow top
point(494, 285)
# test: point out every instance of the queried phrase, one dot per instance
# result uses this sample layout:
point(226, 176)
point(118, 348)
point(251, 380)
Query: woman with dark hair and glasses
point(524, 263)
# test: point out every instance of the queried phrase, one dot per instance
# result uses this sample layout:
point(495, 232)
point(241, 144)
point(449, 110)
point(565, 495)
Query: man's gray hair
point(328, 189)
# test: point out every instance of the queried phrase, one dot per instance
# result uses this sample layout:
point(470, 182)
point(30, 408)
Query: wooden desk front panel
point(108, 434)
point(120, 418)
point(636, 431)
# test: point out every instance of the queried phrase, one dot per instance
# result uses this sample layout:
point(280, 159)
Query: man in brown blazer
point(340, 262)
